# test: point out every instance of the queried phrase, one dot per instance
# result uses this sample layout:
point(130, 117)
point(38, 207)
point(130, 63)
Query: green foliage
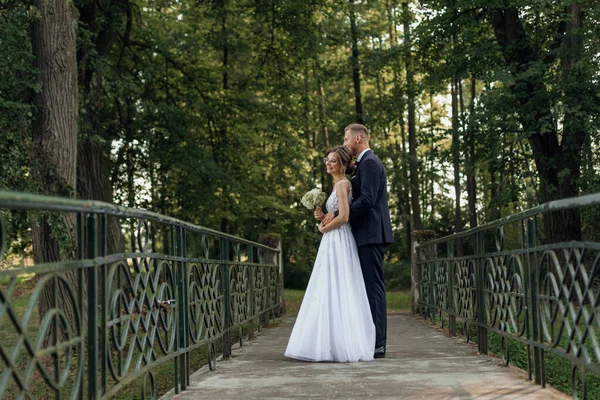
point(218, 112)
point(16, 86)
point(397, 275)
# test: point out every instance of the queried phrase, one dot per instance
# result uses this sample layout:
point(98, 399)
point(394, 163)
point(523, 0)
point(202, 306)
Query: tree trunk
point(431, 182)
point(456, 162)
point(323, 112)
point(412, 135)
point(356, 65)
point(405, 194)
point(391, 23)
point(93, 167)
point(471, 181)
point(308, 133)
point(574, 129)
point(494, 208)
point(223, 124)
point(54, 147)
point(225, 38)
point(404, 206)
point(323, 122)
point(93, 183)
point(93, 164)
point(130, 165)
point(306, 109)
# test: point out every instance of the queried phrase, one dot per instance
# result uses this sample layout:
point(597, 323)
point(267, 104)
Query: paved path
point(421, 363)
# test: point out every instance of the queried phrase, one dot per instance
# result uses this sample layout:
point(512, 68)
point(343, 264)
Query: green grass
point(9, 335)
point(557, 369)
point(293, 299)
point(22, 279)
point(396, 301)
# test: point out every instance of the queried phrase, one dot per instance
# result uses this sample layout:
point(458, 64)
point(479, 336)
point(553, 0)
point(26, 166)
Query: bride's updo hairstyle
point(345, 158)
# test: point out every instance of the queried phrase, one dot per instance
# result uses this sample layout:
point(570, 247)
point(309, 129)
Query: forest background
point(219, 112)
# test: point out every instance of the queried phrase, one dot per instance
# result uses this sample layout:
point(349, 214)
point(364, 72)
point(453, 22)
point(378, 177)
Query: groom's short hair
point(359, 129)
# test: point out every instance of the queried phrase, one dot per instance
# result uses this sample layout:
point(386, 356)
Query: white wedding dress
point(334, 322)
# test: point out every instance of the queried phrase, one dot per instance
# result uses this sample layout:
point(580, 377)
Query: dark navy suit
point(372, 229)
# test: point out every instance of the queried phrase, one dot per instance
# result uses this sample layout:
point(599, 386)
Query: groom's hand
point(327, 218)
point(319, 213)
point(321, 228)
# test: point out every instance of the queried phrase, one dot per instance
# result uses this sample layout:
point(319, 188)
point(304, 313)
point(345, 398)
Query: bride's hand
point(319, 213)
point(327, 218)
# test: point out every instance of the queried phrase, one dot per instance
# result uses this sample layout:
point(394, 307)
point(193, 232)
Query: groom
point(370, 221)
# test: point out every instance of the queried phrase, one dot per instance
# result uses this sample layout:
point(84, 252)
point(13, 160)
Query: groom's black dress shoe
point(379, 352)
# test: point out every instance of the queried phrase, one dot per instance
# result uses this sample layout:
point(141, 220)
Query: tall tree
point(557, 154)
point(101, 25)
point(54, 156)
point(412, 130)
point(355, 63)
point(470, 138)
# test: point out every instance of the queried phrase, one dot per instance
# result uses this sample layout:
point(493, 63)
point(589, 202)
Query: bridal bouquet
point(313, 199)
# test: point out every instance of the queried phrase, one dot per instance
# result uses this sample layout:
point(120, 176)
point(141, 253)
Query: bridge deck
point(421, 362)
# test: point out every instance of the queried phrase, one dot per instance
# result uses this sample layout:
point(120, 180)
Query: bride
point(334, 322)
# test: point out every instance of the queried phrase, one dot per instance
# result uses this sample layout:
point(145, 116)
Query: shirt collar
point(360, 156)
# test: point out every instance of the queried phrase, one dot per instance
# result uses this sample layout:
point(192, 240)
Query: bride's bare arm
point(342, 189)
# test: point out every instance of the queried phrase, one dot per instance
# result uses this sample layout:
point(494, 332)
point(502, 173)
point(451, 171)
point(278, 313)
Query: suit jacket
point(369, 211)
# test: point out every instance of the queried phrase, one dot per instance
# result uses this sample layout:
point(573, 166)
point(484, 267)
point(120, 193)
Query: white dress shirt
point(362, 153)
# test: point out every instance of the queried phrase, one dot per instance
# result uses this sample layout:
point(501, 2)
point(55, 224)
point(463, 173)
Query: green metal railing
point(174, 289)
point(512, 282)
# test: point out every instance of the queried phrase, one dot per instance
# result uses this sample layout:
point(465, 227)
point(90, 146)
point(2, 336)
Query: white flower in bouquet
point(313, 199)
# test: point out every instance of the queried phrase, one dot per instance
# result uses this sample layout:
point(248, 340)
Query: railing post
point(268, 259)
point(103, 303)
point(226, 298)
point(414, 277)
point(281, 280)
point(482, 332)
point(451, 309)
point(178, 320)
point(268, 285)
point(252, 294)
point(260, 270)
point(538, 354)
point(182, 306)
point(92, 307)
point(81, 290)
point(450, 254)
point(418, 240)
point(184, 277)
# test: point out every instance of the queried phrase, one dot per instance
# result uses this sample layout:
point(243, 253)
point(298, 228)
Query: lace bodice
point(332, 204)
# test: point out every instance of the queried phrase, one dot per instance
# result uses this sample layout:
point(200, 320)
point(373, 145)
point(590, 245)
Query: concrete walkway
point(421, 363)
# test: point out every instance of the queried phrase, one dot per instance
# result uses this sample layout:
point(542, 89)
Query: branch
point(174, 63)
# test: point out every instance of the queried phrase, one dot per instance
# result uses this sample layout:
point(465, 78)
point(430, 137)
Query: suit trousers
point(371, 262)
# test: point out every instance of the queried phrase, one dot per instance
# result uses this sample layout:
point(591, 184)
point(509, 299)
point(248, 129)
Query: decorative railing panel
point(112, 318)
point(505, 278)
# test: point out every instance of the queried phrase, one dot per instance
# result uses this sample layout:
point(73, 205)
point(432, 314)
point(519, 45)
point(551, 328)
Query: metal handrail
point(159, 306)
point(556, 205)
point(28, 201)
point(543, 295)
